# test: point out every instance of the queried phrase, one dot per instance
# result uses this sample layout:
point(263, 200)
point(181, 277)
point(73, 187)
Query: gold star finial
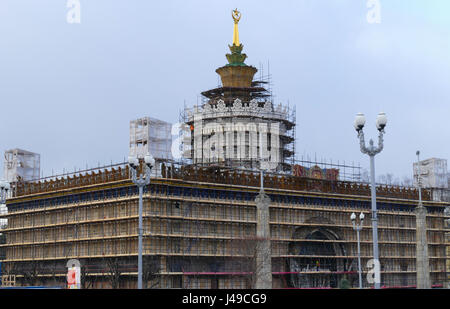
point(236, 17)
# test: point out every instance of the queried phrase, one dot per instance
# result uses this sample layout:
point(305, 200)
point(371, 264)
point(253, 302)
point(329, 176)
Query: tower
point(150, 135)
point(237, 124)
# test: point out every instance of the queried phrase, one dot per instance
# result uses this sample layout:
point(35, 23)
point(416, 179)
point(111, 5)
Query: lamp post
point(422, 259)
point(358, 228)
point(263, 265)
point(4, 188)
point(140, 182)
point(371, 151)
point(419, 179)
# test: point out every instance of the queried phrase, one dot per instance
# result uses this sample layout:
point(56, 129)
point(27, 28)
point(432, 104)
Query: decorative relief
point(267, 106)
point(207, 108)
point(253, 105)
point(237, 105)
point(238, 108)
point(221, 106)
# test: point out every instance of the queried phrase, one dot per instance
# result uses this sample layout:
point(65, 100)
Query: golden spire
point(236, 17)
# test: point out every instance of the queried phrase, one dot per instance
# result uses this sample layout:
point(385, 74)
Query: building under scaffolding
point(200, 218)
point(198, 227)
point(237, 124)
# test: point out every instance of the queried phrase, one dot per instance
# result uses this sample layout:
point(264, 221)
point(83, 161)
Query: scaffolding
point(200, 232)
point(150, 135)
point(21, 165)
point(330, 170)
point(433, 173)
point(238, 126)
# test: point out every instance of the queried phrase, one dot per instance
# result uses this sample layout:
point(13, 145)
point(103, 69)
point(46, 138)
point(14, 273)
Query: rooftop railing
point(218, 175)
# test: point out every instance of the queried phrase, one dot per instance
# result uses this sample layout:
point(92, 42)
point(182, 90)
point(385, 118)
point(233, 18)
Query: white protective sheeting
point(433, 173)
point(21, 164)
point(150, 135)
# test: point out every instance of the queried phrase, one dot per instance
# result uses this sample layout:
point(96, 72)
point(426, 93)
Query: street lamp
point(140, 182)
point(358, 228)
point(4, 188)
point(422, 260)
point(263, 265)
point(371, 151)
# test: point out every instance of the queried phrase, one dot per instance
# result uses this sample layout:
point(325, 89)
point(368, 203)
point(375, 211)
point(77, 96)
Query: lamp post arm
point(380, 142)
point(148, 171)
point(133, 174)
point(2, 196)
point(362, 143)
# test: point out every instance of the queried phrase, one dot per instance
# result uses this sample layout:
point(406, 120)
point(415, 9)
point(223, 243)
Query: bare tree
point(246, 258)
point(407, 181)
point(9, 271)
point(114, 268)
point(31, 272)
point(389, 178)
point(54, 272)
point(150, 272)
point(365, 176)
point(10, 268)
point(382, 179)
point(87, 281)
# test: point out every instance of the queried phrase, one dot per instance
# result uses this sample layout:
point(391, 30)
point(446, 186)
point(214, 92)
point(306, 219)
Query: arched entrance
point(314, 264)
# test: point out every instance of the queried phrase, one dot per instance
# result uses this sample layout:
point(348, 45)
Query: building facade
point(199, 228)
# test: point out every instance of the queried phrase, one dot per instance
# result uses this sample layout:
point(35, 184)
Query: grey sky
point(68, 91)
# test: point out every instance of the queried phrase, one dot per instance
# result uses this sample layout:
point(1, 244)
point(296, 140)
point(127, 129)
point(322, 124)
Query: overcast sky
point(68, 91)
